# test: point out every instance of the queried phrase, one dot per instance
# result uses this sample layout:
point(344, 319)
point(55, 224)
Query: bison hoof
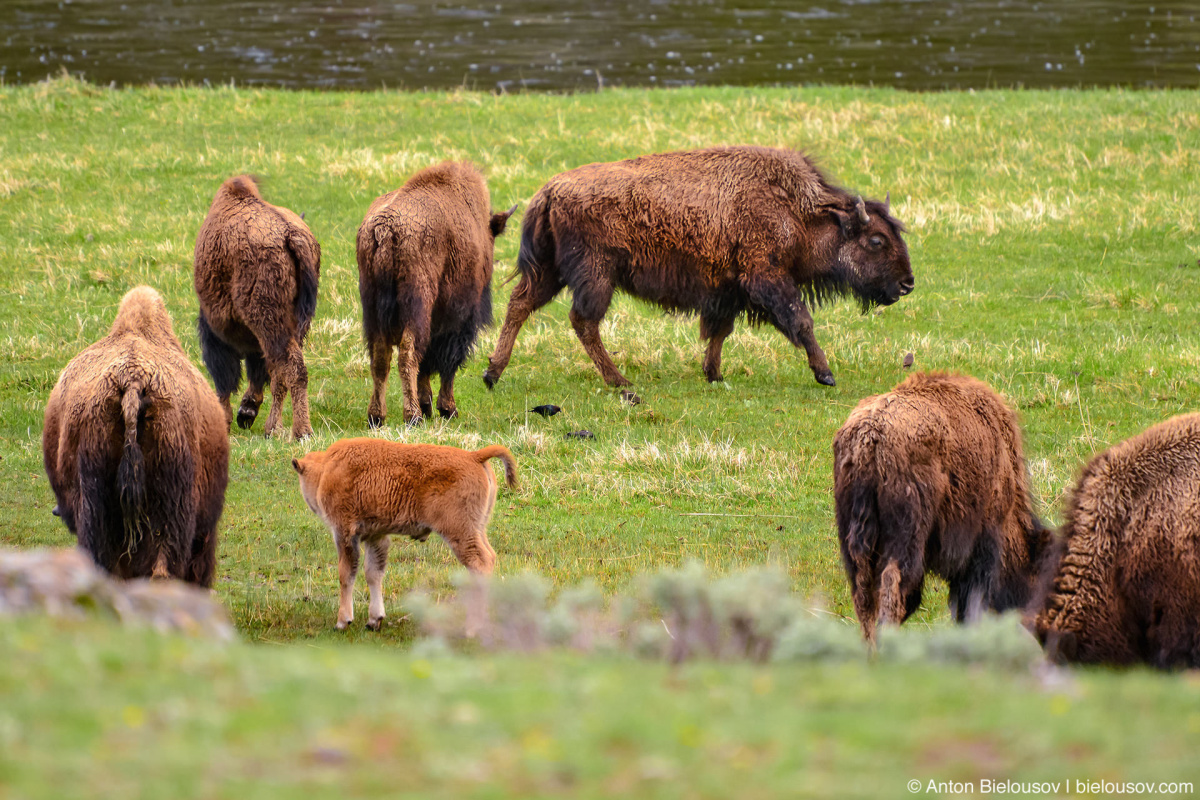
point(374, 422)
point(245, 417)
point(415, 421)
point(374, 625)
point(826, 379)
point(490, 378)
point(447, 413)
point(426, 409)
point(343, 624)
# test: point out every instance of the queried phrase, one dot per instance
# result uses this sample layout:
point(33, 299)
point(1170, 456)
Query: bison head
point(871, 256)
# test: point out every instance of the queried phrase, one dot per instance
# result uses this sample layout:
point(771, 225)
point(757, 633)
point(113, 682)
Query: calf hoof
point(343, 624)
point(447, 413)
point(826, 379)
point(375, 624)
point(374, 422)
point(490, 378)
point(245, 417)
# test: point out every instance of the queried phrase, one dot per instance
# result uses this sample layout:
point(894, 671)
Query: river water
point(569, 45)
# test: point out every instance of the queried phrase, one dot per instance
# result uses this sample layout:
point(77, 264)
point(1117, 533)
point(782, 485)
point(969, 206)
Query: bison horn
point(861, 208)
point(887, 202)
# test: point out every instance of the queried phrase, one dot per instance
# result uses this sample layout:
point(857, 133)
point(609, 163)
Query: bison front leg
point(425, 394)
point(445, 403)
point(381, 365)
point(715, 331)
point(790, 315)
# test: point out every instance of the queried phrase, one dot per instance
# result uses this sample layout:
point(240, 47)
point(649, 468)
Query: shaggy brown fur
point(1123, 583)
point(137, 450)
point(425, 278)
point(931, 477)
point(256, 273)
point(368, 489)
point(714, 232)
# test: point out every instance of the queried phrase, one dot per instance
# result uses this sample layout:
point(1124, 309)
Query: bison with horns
point(136, 447)
point(1122, 585)
point(715, 232)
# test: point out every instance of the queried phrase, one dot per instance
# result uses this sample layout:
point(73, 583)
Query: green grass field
point(1055, 239)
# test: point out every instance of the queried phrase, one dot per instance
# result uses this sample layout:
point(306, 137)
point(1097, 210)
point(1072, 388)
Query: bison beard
point(718, 233)
point(931, 477)
point(1122, 585)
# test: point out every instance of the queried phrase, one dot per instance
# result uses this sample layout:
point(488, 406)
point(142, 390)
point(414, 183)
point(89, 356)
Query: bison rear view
point(716, 232)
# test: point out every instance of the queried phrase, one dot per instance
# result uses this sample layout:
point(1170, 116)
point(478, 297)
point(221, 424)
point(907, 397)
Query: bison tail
point(858, 534)
point(306, 255)
point(501, 452)
point(131, 474)
point(537, 239)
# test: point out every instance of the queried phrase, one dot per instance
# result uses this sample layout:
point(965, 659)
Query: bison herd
point(928, 478)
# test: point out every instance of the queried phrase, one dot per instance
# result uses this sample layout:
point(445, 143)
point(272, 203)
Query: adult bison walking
point(715, 232)
point(137, 450)
point(425, 280)
point(256, 272)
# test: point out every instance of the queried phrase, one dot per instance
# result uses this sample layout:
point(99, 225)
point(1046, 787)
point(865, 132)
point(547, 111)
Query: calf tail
point(131, 474)
point(306, 256)
point(501, 452)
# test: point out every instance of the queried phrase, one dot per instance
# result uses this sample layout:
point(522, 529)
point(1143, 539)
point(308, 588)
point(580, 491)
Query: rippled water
point(564, 44)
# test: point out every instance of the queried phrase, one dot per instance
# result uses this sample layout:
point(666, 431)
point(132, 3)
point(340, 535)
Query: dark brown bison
point(713, 232)
point(137, 450)
point(930, 477)
point(1123, 583)
point(425, 278)
point(256, 273)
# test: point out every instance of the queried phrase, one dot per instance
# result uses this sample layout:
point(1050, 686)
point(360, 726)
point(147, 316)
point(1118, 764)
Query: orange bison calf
point(425, 279)
point(137, 450)
point(931, 477)
point(368, 489)
point(714, 232)
point(1123, 583)
point(256, 273)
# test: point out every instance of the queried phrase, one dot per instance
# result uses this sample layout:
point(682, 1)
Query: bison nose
point(906, 286)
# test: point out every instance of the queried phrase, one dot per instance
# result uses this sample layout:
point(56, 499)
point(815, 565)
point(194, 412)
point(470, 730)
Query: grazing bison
point(425, 278)
point(714, 232)
point(137, 450)
point(931, 477)
point(257, 268)
point(1122, 585)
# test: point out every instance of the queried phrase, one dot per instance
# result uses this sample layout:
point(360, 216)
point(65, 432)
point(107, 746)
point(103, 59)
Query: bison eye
point(875, 242)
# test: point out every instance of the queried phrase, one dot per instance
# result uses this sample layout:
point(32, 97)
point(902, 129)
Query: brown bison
point(1123, 583)
point(931, 477)
point(256, 273)
point(425, 278)
point(714, 232)
point(137, 450)
point(366, 490)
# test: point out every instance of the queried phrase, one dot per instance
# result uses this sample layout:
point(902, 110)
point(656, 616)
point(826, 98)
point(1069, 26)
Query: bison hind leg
point(258, 377)
point(223, 362)
point(973, 590)
point(425, 394)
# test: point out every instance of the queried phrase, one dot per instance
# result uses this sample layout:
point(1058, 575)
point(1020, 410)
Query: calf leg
point(223, 363)
point(347, 544)
point(715, 331)
point(381, 365)
point(258, 377)
point(788, 313)
point(531, 294)
point(377, 555)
